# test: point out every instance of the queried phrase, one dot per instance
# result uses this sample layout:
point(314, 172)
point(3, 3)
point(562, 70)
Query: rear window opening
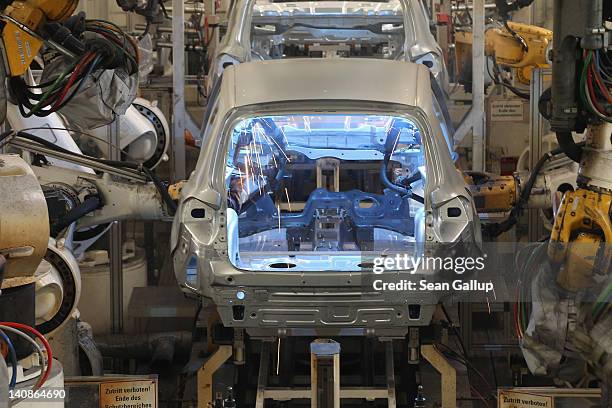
point(319, 192)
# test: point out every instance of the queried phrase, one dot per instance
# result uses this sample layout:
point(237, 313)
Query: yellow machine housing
point(581, 231)
point(494, 194)
point(25, 17)
point(507, 50)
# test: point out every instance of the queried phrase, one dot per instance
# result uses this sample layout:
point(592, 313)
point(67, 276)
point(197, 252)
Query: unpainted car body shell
point(274, 300)
point(235, 46)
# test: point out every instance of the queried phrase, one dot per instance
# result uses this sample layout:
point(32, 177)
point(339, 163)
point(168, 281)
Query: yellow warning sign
point(513, 399)
point(128, 394)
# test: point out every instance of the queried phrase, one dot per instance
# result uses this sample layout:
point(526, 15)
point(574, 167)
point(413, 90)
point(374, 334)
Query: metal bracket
point(324, 374)
point(286, 394)
point(447, 371)
point(206, 372)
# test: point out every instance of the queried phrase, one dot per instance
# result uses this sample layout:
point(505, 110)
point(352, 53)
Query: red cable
point(77, 71)
point(45, 343)
point(517, 327)
point(602, 87)
point(592, 91)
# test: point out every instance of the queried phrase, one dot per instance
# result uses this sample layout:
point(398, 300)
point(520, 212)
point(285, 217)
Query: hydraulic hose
point(90, 204)
point(398, 189)
point(494, 230)
point(385, 180)
point(571, 149)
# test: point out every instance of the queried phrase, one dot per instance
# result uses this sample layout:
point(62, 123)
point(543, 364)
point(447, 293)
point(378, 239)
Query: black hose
point(146, 30)
point(454, 329)
point(416, 176)
point(494, 230)
point(517, 37)
point(398, 189)
point(90, 204)
point(385, 180)
point(162, 190)
point(571, 149)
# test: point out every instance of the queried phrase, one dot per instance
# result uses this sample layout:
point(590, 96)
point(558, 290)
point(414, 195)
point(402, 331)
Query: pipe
point(565, 105)
point(593, 37)
point(163, 354)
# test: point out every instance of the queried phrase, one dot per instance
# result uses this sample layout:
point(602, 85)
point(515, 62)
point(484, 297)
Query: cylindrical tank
point(96, 289)
point(24, 220)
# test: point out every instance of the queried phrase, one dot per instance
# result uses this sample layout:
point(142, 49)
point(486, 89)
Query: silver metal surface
point(477, 113)
point(178, 82)
point(270, 298)
point(236, 45)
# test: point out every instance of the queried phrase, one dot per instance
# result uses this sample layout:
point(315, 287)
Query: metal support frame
point(206, 372)
point(447, 372)
point(262, 378)
point(390, 371)
point(285, 394)
point(324, 374)
point(537, 130)
point(115, 248)
point(178, 81)
point(475, 119)
point(478, 94)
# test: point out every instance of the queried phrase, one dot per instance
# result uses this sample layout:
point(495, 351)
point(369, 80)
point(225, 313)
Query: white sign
point(513, 399)
point(507, 110)
point(128, 394)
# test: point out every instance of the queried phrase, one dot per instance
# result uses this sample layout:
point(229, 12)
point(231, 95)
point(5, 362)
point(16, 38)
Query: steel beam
point(115, 247)
point(178, 82)
point(537, 130)
point(478, 94)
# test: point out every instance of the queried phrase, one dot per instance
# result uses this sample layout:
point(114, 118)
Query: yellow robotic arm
point(508, 49)
point(22, 19)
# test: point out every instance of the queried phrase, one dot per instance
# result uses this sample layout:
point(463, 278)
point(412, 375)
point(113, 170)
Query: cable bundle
point(24, 332)
point(595, 79)
point(108, 47)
